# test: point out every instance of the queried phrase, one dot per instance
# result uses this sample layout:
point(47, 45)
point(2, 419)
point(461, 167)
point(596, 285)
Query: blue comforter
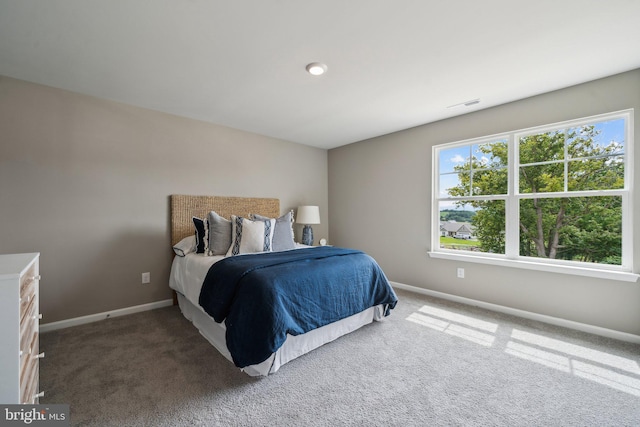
point(263, 297)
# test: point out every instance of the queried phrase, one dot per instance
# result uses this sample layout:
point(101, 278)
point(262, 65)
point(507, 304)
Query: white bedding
point(188, 273)
point(187, 277)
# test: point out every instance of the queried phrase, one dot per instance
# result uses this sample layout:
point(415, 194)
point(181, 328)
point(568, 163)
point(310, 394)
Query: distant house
point(458, 230)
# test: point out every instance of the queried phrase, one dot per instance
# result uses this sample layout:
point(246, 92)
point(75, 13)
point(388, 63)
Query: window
point(556, 195)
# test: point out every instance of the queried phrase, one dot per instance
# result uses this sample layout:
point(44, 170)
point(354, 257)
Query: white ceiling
point(392, 64)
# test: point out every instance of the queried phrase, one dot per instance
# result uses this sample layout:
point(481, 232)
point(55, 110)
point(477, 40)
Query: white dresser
point(19, 328)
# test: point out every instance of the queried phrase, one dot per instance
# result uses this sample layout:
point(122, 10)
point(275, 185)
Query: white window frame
point(512, 257)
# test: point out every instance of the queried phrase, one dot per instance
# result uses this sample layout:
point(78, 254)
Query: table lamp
point(308, 215)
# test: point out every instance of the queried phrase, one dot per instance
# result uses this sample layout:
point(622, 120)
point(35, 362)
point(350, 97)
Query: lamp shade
point(308, 215)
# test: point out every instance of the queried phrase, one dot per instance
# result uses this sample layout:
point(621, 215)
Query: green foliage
point(489, 224)
point(456, 215)
point(573, 228)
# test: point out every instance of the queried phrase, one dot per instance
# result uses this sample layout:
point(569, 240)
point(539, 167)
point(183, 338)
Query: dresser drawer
point(29, 370)
point(29, 323)
point(28, 290)
point(27, 280)
point(28, 311)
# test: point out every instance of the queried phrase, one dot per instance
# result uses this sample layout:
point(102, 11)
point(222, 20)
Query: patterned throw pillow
point(283, 234)
point(250, 236)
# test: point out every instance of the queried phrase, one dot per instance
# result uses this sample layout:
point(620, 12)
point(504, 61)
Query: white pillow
point(250, 236)
point(185, 246)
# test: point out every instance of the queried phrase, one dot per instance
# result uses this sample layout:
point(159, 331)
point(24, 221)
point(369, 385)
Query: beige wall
point(86, 182)
point(380, 201)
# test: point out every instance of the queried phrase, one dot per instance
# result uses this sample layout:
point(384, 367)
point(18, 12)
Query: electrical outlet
point(460, 273)
point(146, 277)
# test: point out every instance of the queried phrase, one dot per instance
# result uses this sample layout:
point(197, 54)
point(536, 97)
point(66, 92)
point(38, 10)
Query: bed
point(302, 291)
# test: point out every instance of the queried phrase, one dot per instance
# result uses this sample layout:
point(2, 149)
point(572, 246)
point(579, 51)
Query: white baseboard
point(596, 330)
point(104, 315)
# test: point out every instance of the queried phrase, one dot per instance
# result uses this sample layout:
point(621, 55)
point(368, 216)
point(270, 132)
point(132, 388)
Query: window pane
point(604, 138)
point(477, 226)
point(490, 181)
point(542, 147)
point(596, 174)
point(451, 185)
point(542, 178)
point(585, 229)
point(490, 154)
point(474, 169)
point(453, 159)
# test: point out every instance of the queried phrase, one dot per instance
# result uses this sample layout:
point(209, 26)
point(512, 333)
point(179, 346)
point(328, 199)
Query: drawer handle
point(36, 277)
point(21, 353)
point(37, 317)
point(35, 396)
point(40, 356)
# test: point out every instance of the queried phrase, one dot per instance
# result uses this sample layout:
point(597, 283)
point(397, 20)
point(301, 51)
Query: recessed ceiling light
point(316, 68)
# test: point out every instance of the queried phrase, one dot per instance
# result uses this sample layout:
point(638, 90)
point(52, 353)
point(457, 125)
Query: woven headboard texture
point(185, 207)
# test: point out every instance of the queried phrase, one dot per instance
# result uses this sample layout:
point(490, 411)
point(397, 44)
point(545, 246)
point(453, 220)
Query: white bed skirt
point(293, 347)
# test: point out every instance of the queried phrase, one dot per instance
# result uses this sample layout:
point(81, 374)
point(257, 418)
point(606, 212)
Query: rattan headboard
point(184, 207)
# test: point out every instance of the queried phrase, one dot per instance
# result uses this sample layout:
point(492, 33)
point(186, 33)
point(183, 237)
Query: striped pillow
point(250, 236)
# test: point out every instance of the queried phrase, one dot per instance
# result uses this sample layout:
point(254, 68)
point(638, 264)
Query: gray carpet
point(431, 363)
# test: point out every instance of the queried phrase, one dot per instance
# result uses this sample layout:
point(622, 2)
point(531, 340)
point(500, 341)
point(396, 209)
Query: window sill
point(564, 269)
